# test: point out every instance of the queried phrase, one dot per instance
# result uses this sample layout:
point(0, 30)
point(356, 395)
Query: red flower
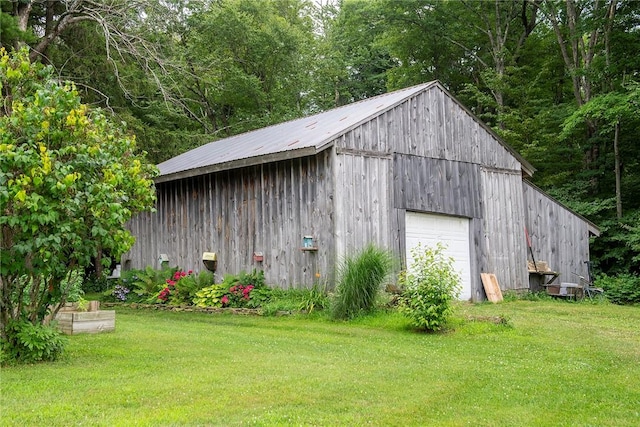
point(225, 300)
point(190, 272)
point(164, 294)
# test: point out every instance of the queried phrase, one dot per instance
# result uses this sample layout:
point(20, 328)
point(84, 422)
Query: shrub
point(620, 289)
point(188, 286)
point(140, 285)
point(211, 296)
point(431, 285)
point(315, 298)
point(360, 278)
point(72, 286)
point(94, 284)
point(71, 178)
point(177, 289)
point(27, 342)
point(241, 290)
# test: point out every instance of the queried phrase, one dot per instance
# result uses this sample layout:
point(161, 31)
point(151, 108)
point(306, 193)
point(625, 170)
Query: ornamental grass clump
point(360, 278)
point(430, 284)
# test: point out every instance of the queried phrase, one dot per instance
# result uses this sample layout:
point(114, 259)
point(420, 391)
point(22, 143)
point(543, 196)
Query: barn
point(394, 170)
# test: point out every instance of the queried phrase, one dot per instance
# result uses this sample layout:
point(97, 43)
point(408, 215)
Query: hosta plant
point(211, 296)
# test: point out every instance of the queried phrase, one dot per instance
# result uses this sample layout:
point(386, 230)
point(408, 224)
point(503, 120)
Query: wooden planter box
point(89, 322)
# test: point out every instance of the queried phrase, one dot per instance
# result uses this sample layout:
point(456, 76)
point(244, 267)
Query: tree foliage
point(70, 178)
point(542, 73)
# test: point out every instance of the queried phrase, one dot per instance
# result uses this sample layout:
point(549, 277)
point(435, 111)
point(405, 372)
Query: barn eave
point(240, 163)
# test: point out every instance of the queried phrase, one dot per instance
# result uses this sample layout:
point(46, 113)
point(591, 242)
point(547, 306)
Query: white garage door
point(453, 232)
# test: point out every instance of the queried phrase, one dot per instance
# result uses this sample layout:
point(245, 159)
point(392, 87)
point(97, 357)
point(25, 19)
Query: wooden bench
point(545, 275)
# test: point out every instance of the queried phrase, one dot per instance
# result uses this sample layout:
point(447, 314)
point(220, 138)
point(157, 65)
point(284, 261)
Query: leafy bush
point(94, 284)
point(360, 279)
point(620, 289)
point(71, 178)
point(167, 285)
point(315, 298)
point(189, 285)
point(241, 290)
point(140, 285)
point(173, 286)
point(211, 296)
point(431, 285)
point(72, 286)
point(28, 343)
point(177, 290)
point(255, 278)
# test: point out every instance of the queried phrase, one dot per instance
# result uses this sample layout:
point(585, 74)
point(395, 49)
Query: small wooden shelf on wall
point(308, 244)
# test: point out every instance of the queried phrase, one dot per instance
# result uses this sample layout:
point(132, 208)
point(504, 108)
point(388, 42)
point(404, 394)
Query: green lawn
point(556, 364)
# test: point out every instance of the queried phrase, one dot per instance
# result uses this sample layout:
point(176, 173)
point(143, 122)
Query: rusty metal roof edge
point(245, 162)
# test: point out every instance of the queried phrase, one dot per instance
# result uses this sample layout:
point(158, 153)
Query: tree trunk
point(21, 12)
point(617, 171)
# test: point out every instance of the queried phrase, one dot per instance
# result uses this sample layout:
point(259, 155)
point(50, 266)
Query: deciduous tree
point(70, 178)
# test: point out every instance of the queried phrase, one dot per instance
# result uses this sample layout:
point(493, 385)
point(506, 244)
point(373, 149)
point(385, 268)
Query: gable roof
point(296, 138)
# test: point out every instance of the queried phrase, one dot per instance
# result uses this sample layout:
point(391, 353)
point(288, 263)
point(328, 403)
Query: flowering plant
point(242, 290)
point(120, 292)
point(171, 290)
point(239, 295)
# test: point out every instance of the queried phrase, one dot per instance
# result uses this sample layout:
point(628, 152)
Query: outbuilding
point(401, 168)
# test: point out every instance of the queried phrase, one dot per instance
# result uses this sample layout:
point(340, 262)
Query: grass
point(554, 364)
point(360, 277)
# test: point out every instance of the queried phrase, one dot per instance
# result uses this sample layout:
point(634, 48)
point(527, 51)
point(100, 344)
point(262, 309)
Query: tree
point(243, 63)
point(350, 64)
point(583, 30)
point(613, 113)
point(70, 179)
point(610, 112)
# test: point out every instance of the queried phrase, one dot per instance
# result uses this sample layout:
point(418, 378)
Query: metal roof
point(296, 138)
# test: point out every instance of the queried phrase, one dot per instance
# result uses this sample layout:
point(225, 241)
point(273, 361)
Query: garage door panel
point(453, 232)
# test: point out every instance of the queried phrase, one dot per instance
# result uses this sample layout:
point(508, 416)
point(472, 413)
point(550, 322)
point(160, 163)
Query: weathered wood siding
point(434, 125)
point(267, 208)
point(558, 236)
point(438, 186)
point(363, 203)
point(434, 157)
point(503, 225)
